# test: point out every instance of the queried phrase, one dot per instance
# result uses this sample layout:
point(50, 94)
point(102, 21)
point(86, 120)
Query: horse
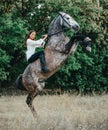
point(58, 48)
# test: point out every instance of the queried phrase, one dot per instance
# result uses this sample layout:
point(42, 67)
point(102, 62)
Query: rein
point(55, 33)
point(58, 32)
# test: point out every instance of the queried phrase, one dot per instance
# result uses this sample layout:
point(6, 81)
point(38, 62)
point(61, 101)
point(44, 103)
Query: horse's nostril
point(76, 27)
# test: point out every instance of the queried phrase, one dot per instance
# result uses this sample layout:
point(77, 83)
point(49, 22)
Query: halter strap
point(61, 30)
point(63, 18)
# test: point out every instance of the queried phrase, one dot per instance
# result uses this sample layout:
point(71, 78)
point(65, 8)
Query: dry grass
point(55, 113)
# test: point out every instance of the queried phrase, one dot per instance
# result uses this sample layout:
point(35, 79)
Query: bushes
point(84, 72)
point(87, 72)
point(11, 45)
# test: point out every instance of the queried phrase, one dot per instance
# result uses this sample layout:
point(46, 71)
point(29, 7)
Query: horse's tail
point(19, 83)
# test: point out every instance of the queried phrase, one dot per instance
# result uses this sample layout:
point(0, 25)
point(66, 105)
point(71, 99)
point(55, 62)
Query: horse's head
point(68, 21)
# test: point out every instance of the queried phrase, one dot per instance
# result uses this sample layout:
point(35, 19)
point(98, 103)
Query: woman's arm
point(36, 43)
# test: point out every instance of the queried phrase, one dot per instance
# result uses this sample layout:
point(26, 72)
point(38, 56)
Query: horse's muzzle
point(76, 27)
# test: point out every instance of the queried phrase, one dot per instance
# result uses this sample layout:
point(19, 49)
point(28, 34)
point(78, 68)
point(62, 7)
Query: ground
point(63, 112)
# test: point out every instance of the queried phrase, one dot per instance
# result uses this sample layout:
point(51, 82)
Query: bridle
point(63, 18)
point(61, 30)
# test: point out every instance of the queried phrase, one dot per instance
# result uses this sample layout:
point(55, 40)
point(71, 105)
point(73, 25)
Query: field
point(62, 112)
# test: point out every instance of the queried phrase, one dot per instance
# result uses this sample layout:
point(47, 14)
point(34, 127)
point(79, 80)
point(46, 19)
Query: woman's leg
point(43, 62)
point(40, 55)
point(34, 57)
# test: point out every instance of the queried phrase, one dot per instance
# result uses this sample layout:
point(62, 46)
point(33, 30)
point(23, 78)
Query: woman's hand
point(44, 36)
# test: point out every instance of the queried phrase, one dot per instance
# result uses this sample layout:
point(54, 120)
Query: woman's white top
point(32, 45)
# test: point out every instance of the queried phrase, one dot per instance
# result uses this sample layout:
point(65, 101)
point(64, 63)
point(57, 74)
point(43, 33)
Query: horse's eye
point(67, 18)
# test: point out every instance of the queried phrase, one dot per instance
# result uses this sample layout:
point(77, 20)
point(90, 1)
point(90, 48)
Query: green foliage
point(35, 13)
point(85, 72)
point(4, 61)
point(11, 45)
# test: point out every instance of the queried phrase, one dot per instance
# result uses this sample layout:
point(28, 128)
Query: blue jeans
point(41, 56)
point(35, 56)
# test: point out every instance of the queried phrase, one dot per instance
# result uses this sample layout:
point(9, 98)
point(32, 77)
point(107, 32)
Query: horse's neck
point(56, 40)
point(55, 33)
point(55, 26)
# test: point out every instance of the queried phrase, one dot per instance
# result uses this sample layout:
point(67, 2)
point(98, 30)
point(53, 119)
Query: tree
point(85, 72)
point(12, 32)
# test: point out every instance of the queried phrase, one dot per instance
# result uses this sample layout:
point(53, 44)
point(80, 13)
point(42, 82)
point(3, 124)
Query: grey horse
point(57, 50)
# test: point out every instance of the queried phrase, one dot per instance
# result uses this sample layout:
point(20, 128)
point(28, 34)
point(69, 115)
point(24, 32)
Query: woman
point(32, 44)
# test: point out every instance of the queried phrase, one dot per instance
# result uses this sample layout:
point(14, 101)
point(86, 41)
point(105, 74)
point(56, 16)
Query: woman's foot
point(45, 70)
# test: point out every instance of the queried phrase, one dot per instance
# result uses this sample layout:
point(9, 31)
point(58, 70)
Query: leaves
point(83, 71)
point(11, 40)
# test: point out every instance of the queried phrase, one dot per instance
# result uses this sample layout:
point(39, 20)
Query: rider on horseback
point(32, 44)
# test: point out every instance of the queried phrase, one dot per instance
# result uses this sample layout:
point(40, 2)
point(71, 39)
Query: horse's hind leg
point(29, 102)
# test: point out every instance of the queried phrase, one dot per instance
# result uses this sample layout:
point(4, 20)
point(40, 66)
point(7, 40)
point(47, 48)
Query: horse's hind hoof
point(19, 83)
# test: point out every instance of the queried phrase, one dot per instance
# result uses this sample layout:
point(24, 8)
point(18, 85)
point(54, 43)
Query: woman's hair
point(28, 35)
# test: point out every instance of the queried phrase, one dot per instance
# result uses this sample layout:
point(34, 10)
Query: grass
point(62, 112)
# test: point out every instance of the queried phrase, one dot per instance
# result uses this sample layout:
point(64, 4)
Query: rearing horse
point(57, 50)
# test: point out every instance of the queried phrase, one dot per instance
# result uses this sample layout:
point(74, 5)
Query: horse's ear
point(59, 12)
